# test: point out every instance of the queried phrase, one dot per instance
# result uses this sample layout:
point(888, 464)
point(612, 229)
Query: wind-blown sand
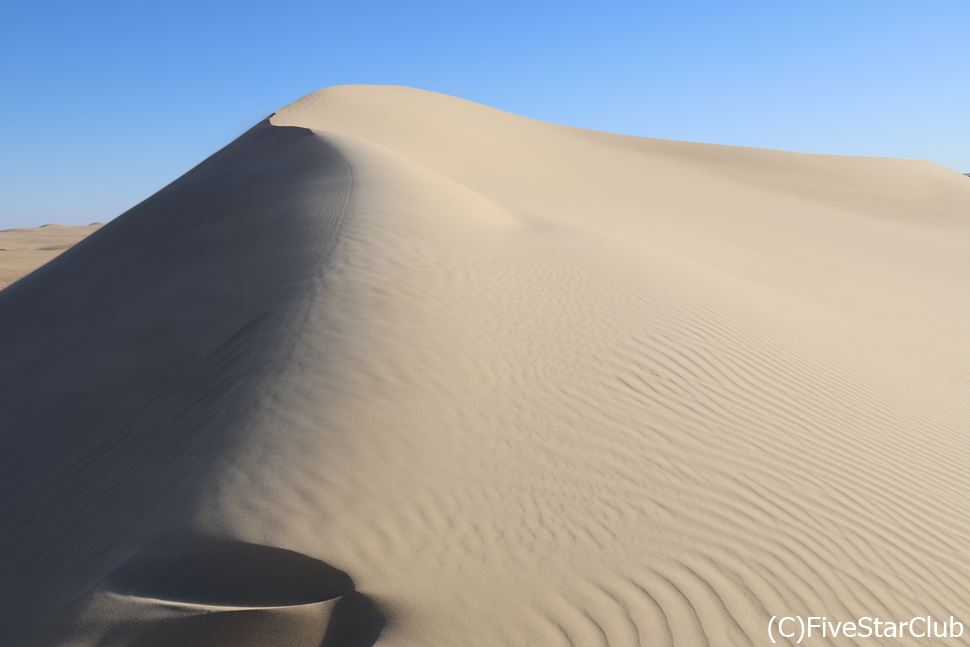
point(24, 250)
point(397, 364)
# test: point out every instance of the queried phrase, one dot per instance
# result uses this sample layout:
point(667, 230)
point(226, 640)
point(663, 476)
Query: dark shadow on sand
point(258, 583)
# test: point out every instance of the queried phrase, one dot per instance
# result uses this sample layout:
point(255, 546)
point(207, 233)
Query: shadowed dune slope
point(416, 371)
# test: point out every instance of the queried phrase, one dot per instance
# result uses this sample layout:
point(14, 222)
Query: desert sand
point(397, 367)
point(24, 250)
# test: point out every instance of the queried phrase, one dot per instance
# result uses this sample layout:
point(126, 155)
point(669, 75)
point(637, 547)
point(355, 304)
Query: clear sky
point(103, 103)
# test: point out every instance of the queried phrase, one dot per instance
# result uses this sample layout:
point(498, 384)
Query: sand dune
point(24, 250)
point(395, 364)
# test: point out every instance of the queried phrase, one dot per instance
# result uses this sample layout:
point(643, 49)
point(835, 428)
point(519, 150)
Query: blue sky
point(103, 103)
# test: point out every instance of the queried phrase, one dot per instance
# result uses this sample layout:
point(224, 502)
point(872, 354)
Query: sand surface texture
point(397, 367)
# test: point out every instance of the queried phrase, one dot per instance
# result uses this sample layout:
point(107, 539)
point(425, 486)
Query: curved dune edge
point(350, 620)
point(525, 384)
point(207, 591)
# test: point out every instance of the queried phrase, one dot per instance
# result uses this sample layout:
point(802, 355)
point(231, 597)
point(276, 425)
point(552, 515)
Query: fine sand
point(397, 367)
point(24, 250)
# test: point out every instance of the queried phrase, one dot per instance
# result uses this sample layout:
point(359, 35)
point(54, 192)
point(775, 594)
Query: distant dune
point(397, 367)
point(24, 250)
